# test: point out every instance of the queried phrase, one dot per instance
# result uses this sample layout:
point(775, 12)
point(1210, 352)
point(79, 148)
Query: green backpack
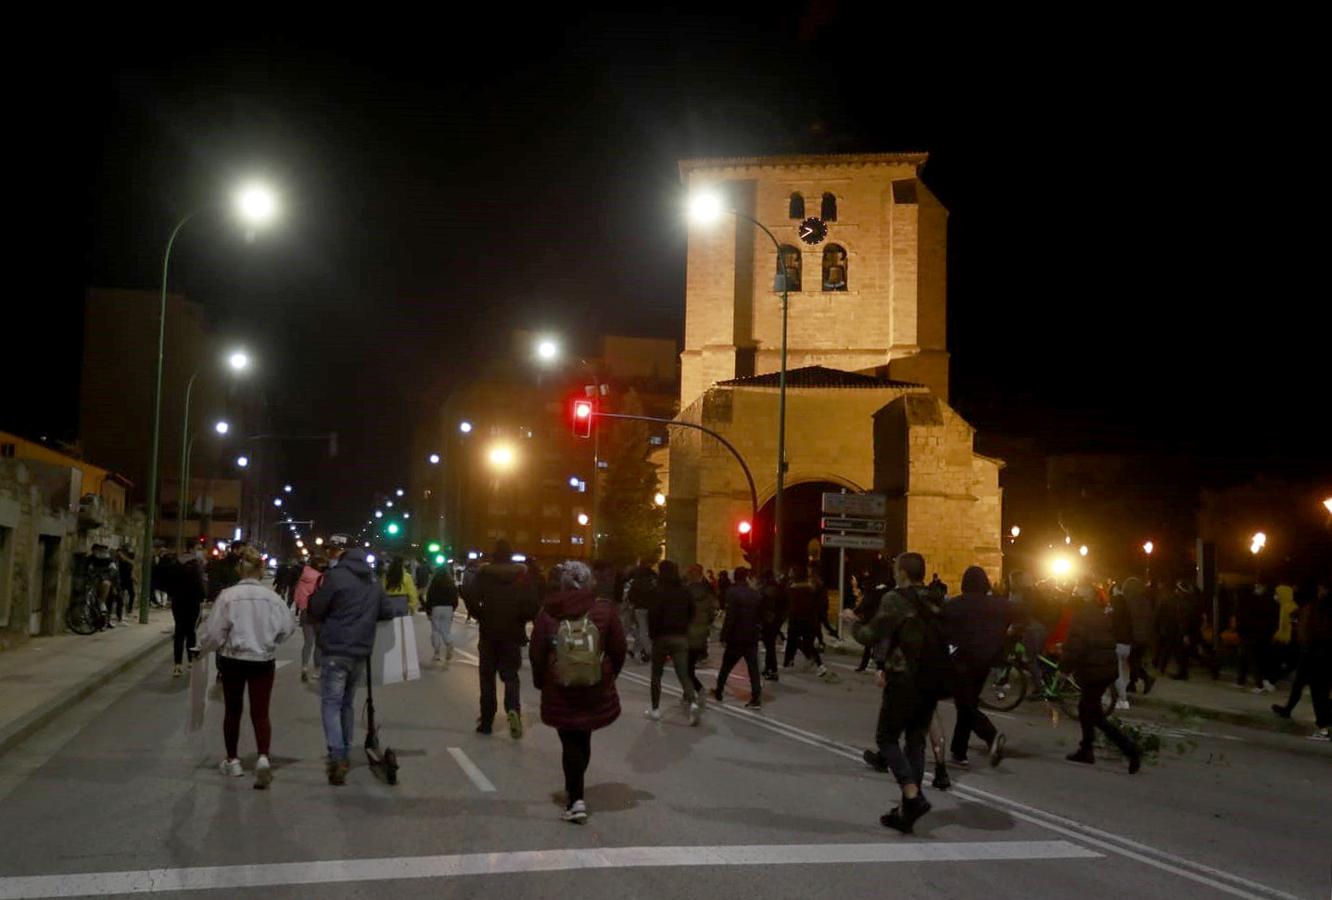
point(578, 652)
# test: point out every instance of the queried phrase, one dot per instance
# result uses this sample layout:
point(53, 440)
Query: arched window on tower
point(834, 268)
point(791, 256)
point(828, 211)
point(796, 209)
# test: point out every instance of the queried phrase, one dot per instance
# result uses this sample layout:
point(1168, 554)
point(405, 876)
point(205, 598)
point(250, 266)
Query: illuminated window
point(796, 209)
point(834, 268)
point(791, 257)
point(551, 537)
point(828, 210)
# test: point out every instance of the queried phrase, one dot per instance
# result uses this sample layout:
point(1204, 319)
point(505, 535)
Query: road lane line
point(470, 769)
point(1163, 860)
point(343, 871)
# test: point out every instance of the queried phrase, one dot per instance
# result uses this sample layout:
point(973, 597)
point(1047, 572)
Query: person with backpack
point(975, 622)
point(440, 603)
point(639, 588)
point(740, 635)
point(503, 599)
point(669, 615)
point(702, 611)
point(915, 672)
point(1089, 653)
point(578, 648)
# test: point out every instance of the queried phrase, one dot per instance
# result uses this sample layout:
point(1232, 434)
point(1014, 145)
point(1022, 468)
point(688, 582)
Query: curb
point(19, 730)
point(1269, 722)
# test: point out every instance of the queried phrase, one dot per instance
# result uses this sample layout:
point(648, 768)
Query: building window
point(576, 539)
point(790, 257)
point(551, 537)
point(834, 268)
point(796, 208)
point(828, 210)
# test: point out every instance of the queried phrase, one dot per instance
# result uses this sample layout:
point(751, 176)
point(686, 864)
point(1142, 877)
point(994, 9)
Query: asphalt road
point(116, 797)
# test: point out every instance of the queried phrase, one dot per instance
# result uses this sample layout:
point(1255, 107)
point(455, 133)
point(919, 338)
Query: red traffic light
point(582, 418)
point(744, 527)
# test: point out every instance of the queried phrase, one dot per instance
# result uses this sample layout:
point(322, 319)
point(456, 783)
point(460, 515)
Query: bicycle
point(88, 614)
point(1008, 684)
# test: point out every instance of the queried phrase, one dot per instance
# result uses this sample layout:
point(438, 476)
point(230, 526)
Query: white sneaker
point(576, 814)
point(177, 671)
point(231, 767)
point(1121, 704)
point(263, 773)
point(653, 714)
point(1322, 734)
point(694, 713)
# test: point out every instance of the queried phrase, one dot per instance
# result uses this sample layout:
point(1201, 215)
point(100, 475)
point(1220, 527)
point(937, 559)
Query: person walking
point(639, 589)
point(669, 615)
point(185, 586)
point(345, 607)
point(1256, 617)
point(400, 586)
point(975, 622)
point(1139, 607)
point(311, 576)
point(740, 636)
point(702, 612)
point(807, 603)
point(915, 672)
point(878, 582)
point(775, 607)
point(578, 648)
point(1089, 653)
point(1318, 657)
point(125, 569)
point(247, 623)
point(441, 602)
point(502, 599)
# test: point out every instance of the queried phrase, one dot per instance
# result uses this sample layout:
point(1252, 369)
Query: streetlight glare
point(239, 361)
point(501, 456)
point(465, 426)
point(1148, 548)
point(434, 459)
point(286, 489)
point(242, 461)
point(1082, 551)
point(277, 501)
point(1061, 566)
point(582, 519)
point(399, 492)
point(319, 542)
point(547, 349)
point(705, 207)
point(256, 204)
point(1327, 504)
point(379, 514)
point(222, 427)
point(659, 498)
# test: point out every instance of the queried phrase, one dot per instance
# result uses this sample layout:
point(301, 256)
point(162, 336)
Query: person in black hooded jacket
point(975, 622)
point(503, 598)
point(670, 612)
point(1089, 653)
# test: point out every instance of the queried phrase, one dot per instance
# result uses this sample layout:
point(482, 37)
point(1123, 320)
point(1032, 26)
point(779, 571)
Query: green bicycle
point(1008, 685)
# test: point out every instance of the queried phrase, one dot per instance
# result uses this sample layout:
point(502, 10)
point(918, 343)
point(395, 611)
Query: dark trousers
point(966, 697)
point(749, 653)
point(577, 754)
point(1319, 668)
point(676, 646)
point(800, 636)
point(696, 654)
point(865, 658)
point(1137, 670)
point(504, 657)
point(770, 633)
point(127, 590)
point(186, 615)
point(1253, 657)
point(1297, 684)
point(237, 675)
point(1091, 717)
point(904, 713)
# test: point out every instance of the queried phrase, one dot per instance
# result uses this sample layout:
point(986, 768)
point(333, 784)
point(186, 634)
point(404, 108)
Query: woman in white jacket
point(247, 623)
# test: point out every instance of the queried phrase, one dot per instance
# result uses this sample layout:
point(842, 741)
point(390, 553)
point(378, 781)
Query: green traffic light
point(392, 528)
point(439, 559)
point(433, 546)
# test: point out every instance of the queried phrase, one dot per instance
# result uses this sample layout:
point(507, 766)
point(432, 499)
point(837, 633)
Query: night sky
point(1126, 235)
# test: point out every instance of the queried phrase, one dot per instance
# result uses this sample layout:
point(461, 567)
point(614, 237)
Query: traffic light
point(432, 547)
point(582, 418)
point(439, 559)
point(745, 531)
point(392, 529)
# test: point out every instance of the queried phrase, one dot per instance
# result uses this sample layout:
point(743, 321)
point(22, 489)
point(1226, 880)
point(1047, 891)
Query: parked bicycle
point(88, 610)
point(1008, 685)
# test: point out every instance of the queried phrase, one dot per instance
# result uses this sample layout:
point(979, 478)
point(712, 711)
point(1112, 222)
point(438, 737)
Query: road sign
point(813, 231)
point(869, 506)
point(872, 526)
point(854, 541)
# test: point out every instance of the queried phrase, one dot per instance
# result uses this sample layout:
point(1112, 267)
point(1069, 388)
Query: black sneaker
point(483, 728)
point(874, 759)
point(769, 676)
point(1135, 763)
point(1147, 685)
point(913, 809)
point(1280, 710)
point(717, 693)
point(1081, 755)
point(895, 820)
point(941, 779)
point(753, 704)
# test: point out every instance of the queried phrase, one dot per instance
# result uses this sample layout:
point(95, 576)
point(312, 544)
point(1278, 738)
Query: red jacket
point(577, 708)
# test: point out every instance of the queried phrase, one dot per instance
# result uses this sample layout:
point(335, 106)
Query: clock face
point(813, 231)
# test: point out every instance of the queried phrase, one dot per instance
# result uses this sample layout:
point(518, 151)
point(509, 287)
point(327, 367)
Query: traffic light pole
point(753, 493)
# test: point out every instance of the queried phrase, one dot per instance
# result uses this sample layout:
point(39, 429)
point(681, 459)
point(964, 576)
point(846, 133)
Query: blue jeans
point(337, 690)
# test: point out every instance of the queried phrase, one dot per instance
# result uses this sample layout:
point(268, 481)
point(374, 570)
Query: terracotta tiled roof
point(817, 377)
point(814, 159)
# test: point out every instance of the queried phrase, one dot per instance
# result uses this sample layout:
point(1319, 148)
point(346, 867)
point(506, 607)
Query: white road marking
point(1163, 860)
point(344, 871)
point(470, 769)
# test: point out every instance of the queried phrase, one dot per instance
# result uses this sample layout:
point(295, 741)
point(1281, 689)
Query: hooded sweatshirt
point(1139, 609)
point(309, 583)
point(347, 606)
point(503, 598)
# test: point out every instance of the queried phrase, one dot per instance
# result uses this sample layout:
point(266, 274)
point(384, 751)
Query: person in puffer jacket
point(311, 576)
point(1089, 653)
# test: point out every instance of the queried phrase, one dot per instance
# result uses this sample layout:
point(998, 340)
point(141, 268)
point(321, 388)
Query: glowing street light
point(399, 492)
point(1014, 531)
point(465, 426)
point(222, 427)
point(1327, 504)
point(389, 504)
point(286, 489)
point(659, 498)
point(239, 361)
point(547, 349)
point(582, 519)
point(277, 501)
point(379, 514)
point(243, 461)
point(434, 459)
point(1061, 566)
point(256, 204)
point(406, 515)
point(501, 456)
point(1082, 551)
point(300, 543)
point(319, 542)
point(705, 207)
point(1148, 548)
point(1258, 542)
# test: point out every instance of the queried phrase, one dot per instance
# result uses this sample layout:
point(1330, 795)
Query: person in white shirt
point(247, 623)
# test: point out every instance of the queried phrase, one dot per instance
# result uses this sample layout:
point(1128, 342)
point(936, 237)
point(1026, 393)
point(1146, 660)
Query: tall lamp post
point(706, 208)
point(238, 361)
point(255, 205)
point(547, 351)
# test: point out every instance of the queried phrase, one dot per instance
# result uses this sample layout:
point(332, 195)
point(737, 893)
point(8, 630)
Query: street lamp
point(547, 349)
point(242, 462)
point(659, 499)
point(465, 426)
point(255, 205)
point(706, 208)
point(1015, 531)
point(277, 501)
point(222, 427)
point(1327, 504)
point(286, 489)
point(399, 492)
point(1082, 551)
point(583, 519)
point(434, 459)
point(501, 456)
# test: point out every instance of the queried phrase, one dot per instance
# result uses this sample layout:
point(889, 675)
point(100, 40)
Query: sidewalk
point(1221, 701)
point(47, 675)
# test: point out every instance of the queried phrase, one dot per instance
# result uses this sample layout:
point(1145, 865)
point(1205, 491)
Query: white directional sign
point(869, 506)
point(871, 526)
point(854, 541)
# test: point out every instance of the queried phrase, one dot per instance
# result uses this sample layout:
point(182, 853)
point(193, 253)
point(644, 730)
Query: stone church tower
point(867, 364)
point(870, 297)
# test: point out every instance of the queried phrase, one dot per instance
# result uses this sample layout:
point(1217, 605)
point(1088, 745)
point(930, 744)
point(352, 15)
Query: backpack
point(578, 652)
point(933, 668)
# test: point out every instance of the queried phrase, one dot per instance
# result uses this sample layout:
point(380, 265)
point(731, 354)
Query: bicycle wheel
point(1068, 694)
point(1004, 688)
point(78, 618)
